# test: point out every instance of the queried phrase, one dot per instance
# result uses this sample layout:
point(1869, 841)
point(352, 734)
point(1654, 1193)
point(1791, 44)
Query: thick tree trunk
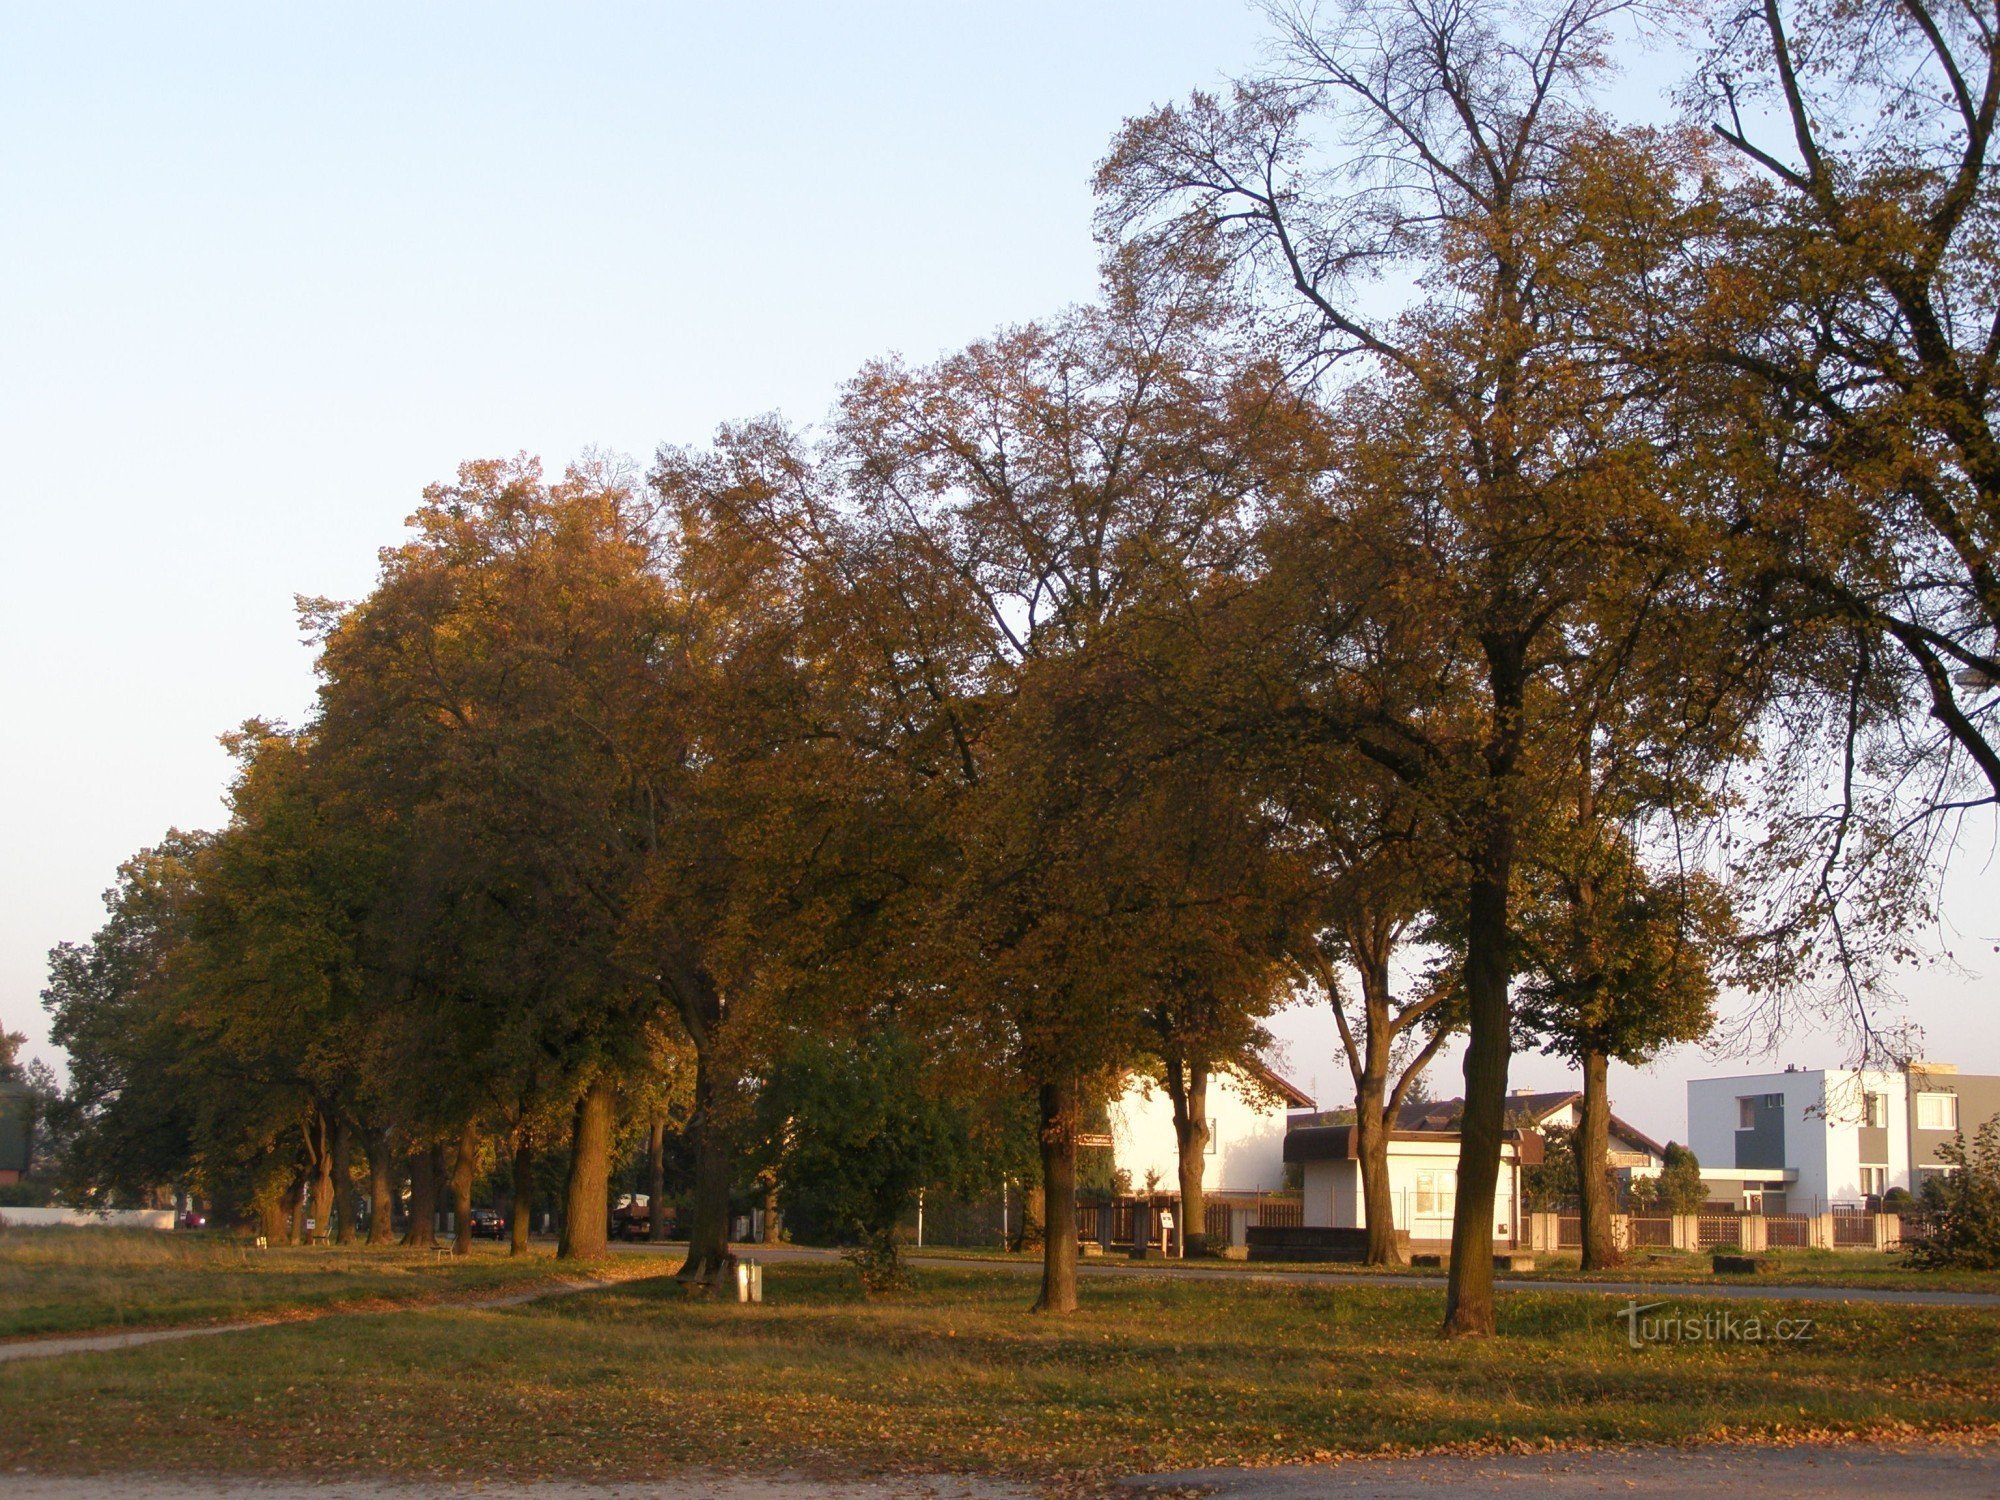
point(462, 1168)
point(773, 1225)
point(523, 1211)
point(272, 1220)
point(1034, 1217)
point(322, 1187)
point(1469, 1308)
point(708, 1258)
point(1058, 1141)
point(1371, 1149)
point(345, 1230)
point(381, 1148)
point(1593, 1147)
point(421, 1232)
point(656, 1181)
point(1191, 1134)
point(586, 1205)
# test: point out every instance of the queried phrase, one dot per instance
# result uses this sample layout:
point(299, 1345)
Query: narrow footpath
point(97, 1343)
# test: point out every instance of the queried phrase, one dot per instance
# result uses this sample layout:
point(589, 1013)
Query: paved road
point(94, 1343)
point(1838, 1471)
point(1928, 1469)
point(1728, 1290)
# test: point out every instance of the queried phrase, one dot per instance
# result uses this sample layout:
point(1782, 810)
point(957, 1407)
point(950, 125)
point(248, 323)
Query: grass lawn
point(641, 1380)
point(84, 1280)
point(1833, 1268)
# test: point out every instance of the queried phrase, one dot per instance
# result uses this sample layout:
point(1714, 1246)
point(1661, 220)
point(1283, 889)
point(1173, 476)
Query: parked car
point(193, 1218)
point(632, 1217)
point(488, 1224)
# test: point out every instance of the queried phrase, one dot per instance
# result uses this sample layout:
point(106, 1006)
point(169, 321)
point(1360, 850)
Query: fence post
point(1819, 1231)
point(1545, 1232)
point(1888, 1231)
point(1753, 1235)
point(1239, 1225)
point(1621, 1233)
point(1687, 1232)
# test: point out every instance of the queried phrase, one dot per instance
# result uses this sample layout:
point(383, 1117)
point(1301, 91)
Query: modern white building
point(1248, 1105)
point(1815, 1137)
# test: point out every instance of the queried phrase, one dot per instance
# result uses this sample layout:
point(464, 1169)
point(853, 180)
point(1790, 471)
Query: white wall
point(1333, 1190)
point(1247, 1154)
point(117, 1218)
point(1822, 1127)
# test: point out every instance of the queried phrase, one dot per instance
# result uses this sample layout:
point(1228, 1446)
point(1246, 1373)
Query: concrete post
point(1753, 1235)
point(1888, 1231)
point(1239, 1226)
point(1819, 1231)
point(1621, 1233)
point(1687, 1232)
point(1544, 1233)
point(1142, 1231)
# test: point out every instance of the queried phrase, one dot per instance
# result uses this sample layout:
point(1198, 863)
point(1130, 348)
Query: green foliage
point(1964, 1206)
point(1551, 1183)
point(1678, 1189)
point(859, 1127)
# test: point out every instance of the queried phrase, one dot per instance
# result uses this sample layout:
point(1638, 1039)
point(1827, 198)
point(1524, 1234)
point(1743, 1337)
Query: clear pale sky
point(266, 271)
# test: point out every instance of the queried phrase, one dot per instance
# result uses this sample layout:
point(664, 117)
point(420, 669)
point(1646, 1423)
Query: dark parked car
point(632, 1217)
point(488, 1225)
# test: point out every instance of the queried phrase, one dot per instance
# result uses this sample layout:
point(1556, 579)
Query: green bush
point(1963, 1206)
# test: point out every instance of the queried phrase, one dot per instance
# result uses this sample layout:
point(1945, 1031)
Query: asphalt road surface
point(1931, 1470)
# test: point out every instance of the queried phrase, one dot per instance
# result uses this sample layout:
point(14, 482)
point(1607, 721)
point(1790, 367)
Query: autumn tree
point(1620, 962)
point(114, 1007)
point(498, 683)
point(1499, 507)
point(996, 523)
point(1851, 289)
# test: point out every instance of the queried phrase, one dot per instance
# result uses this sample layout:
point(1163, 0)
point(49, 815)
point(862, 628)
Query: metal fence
point(1711, 1230)
point(1787, 1231)
point(1853, 1229)
point(1653, 1230)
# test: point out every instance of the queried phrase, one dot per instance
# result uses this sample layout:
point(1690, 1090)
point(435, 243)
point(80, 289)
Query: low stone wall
point(76, 1218)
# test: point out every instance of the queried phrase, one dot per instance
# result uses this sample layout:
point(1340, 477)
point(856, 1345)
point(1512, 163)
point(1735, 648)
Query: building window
point(1875, 1110)
point(1747, 1106)
point(1937, 1111)
point(1434, 1190)
point(1213, 1135)
point(1872, 1181)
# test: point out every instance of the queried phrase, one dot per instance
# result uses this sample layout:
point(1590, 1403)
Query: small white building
point(1423, 1178)
point(1248, 1106)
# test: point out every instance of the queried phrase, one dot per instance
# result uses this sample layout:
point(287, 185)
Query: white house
point(1423, 1172)
point(1248, 1105)
point(1820, 1136)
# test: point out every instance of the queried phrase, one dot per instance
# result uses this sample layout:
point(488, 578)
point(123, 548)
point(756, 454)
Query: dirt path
point(1726, 1290)
point(95, 1343)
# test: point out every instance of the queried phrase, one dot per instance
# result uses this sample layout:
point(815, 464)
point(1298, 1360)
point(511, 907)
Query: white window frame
point(1875, 1110)
point(1946, 1110)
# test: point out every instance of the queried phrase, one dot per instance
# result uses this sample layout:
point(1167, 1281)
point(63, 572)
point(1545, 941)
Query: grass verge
point(56, 1281)
point(640, 1380)
point(1850, 1269)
